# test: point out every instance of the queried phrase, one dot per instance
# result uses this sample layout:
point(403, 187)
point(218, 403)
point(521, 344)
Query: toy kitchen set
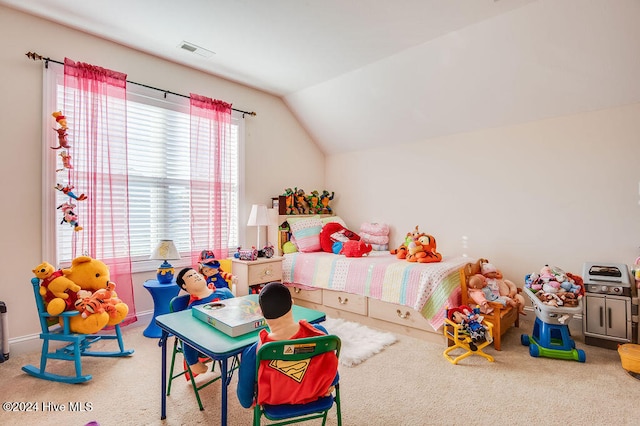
point(610, 315)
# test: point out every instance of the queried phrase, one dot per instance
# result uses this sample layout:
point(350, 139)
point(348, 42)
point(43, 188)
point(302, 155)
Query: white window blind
point(158, 166)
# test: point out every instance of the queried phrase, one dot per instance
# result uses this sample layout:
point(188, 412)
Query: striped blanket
point(426, 287)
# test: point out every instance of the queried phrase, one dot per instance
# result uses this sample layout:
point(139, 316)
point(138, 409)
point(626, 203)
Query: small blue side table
point(162, 295)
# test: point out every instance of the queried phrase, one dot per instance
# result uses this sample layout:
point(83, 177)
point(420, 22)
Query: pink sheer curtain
point(96, 111)
point(211, 176)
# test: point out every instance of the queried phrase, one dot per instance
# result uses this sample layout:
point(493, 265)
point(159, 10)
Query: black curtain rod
point(34, 56)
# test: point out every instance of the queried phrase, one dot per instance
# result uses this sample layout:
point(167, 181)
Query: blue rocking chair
point(77, 344)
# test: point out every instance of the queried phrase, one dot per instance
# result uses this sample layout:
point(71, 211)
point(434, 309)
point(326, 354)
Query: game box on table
point(233, 317)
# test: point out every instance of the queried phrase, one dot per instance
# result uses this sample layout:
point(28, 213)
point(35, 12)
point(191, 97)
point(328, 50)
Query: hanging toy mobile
point(68, 190)
point(69, 216)
point(66, 161)
point(62, 131)
point(67, 208)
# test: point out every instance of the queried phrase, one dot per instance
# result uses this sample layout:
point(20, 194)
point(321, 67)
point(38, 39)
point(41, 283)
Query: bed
point(377, 289)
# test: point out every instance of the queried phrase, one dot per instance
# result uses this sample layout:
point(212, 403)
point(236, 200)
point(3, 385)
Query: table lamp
point(165, 250)
point(258, 217)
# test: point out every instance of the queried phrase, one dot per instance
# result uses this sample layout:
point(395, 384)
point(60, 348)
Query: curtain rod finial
point(34, 56)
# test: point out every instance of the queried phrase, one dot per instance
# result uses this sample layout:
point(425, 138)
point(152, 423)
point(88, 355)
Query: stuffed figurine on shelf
point(210, 269)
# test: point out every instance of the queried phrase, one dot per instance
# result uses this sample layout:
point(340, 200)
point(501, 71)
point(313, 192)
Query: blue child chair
point(294, 413)
point(77, 345)
point(180, 303)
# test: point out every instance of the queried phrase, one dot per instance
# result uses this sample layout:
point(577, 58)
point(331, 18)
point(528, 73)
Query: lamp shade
point(165, 250)
point(258, 216)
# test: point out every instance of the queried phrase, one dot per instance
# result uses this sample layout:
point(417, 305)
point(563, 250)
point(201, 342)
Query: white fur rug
point(358, 342)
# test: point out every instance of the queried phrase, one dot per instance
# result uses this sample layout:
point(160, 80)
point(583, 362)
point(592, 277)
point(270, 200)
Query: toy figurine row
point(68, 208)
point(297, 202)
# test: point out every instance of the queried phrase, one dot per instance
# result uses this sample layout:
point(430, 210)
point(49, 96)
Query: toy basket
point(630, 357)
point(553, 314)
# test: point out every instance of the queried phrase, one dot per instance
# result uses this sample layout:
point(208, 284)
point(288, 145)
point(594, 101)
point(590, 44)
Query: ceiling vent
point(190, 47)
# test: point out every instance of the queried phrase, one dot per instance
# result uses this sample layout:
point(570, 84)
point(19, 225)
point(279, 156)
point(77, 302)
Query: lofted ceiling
point(362, 73)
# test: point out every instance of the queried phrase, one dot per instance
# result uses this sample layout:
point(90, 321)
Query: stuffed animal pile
point(335, 238)
point(505, 290)
point(334, 232)
point(85, 287)
point(472, 322)
point(552, 286)
point(418, 247)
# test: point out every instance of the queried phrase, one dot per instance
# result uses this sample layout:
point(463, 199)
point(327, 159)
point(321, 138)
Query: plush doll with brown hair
point(475, 287)
point(501, 287)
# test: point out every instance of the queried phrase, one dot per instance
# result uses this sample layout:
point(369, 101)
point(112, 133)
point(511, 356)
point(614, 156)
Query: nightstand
point(254, 272)
point(162, 295)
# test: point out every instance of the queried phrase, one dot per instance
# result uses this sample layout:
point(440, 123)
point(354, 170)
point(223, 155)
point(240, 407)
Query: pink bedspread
point(426, 287)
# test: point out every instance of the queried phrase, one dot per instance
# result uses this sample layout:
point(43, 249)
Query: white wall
point(560, 191)
point(278, 151)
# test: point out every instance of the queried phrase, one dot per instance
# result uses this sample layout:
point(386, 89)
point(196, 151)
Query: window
point(158, 167)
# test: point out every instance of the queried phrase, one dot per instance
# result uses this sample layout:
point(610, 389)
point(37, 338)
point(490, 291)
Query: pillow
point(337, 219)
point(306, 232)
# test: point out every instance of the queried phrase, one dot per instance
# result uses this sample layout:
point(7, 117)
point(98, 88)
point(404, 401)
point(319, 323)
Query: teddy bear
point(58, 292)
point(93, 275)
point(501, 287)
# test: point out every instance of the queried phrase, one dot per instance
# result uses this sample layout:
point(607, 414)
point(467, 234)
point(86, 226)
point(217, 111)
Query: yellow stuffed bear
point(55, 288)
point(93, 275)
